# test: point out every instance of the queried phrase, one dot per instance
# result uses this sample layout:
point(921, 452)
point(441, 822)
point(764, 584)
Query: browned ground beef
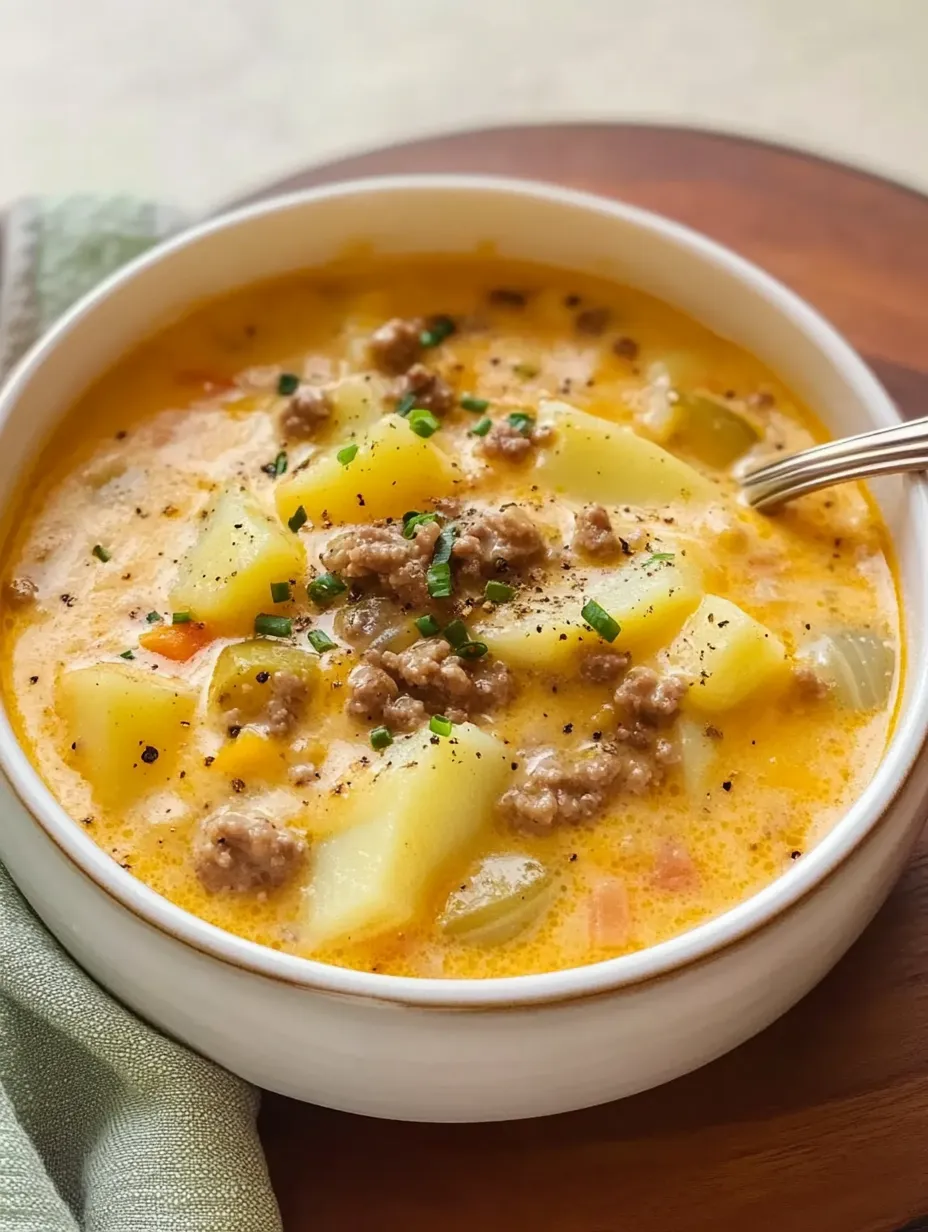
point(283, 698)
point(309, 407)
point(490, 542)
point(403, 689)
point(20, 591)
point(626, 348)
point(593, 533)
point(428, 388)
point(381, 552)
point(396, 346)
point(648, 698)
point(232, 851)
point(592, 321)
point(505, 440)
point(603, 667)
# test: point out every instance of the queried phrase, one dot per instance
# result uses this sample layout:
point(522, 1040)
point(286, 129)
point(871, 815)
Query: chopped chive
point(126, 654)
point(440, 725)
point(280, 592)
point(526, 370)
point(439, 328)
point(411, 521)
point(154, 617)
point(522, 421)
point(347, 454)
point(470, 403)
point(101, 553)
point(472, 650)
point(658, 556)
point(423, 422)
point(273, 626)
point(482, 428)
point(444, 544)
point(181, 618)
point(428, 626)
point(280, 463)
point(381, 737)
point(325, 588)
point(498, 592)
point(320, 641)
point(438, 580)
point(298, 519)
point(288, 383)
point(405, 404)
point(600, 620)
point(455, 633)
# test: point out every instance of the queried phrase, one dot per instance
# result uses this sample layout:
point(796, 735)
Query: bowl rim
point(509, 992)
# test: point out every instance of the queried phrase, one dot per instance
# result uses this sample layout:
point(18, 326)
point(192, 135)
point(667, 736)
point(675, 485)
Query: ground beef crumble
point(238, 853)
point(284, 700)
point(428, 389)
point(506, 441)
point(381, 552)
point(396, 345)
point(498, 541)
point(20, 591)
point(309, 407)
point(593, 533)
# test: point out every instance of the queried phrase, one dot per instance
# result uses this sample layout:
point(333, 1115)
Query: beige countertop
point(196, 100)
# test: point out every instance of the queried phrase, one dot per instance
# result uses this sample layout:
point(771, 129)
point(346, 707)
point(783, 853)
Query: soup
point(407, 617)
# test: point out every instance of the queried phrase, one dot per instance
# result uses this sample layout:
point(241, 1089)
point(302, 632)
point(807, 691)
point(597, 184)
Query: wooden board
point(821, 1122)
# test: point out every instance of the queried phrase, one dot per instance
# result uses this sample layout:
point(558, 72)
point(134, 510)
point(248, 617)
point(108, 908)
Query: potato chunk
point(358, 402)
point(417, 815)
point(592, 459)
point(225, 577)
point(650, 598)
point(728, 655)
point(393, 470)
point(126, 726)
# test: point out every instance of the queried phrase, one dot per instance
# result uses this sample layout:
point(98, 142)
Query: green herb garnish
point(154, 617)
point(599, 619)
point(101, 553)
point(288, 383)
point(482, 428)
point(428, 626)
point(470, 403)
point(658, 556)
point(444, 544)
point(280, 464)
point(273, 626)
point(280, 592)
point(320, 641)
point(404, 406)
point(521, 421)
point(347, 454)
point(455, 633)
point(181, 618)
point(472, 650)
point(413, 520)
point(325, 588)
point(439, 328)
point(440, 725)
point(127, 654)
point(298, 519)
point(438, 580)
point(498, 592)
point(381, 737)
point(423, 422)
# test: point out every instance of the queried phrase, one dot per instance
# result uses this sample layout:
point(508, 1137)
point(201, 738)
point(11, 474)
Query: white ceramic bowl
point(450, 1050)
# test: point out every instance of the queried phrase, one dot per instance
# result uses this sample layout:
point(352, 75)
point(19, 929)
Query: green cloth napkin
point(105, 1125)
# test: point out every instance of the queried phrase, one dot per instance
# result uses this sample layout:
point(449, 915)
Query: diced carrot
point(674, 868)
point(250, 756)
point(178, 642)
point(610, 916)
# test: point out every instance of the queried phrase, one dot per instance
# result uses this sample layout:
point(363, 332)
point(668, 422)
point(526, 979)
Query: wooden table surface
point(821, 1122)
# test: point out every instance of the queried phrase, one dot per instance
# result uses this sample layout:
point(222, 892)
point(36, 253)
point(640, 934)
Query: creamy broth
point(635, 814)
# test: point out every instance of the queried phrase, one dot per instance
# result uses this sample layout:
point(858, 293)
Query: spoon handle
point(884, 451)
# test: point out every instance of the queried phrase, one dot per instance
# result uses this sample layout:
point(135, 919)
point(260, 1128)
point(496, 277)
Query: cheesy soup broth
point(408, 618)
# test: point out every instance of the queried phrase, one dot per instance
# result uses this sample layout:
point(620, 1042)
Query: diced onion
point(505, 895)
point(859, 666)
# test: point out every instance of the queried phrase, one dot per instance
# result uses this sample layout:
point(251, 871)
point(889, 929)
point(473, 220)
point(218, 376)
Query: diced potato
point(235, 684)
point(649, 600)
point(225, 577)
point(504, 896)
point(728, 654)
point(357, 404)
point(419, 813)
point(698, 753)
point(591, 459)
point(394, 470)
point(127, 727)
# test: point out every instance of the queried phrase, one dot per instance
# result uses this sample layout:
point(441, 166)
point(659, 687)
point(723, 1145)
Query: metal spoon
point(886, 451)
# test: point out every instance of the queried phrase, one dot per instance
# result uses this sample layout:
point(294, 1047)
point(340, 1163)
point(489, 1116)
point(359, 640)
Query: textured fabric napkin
point(105, 1125)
